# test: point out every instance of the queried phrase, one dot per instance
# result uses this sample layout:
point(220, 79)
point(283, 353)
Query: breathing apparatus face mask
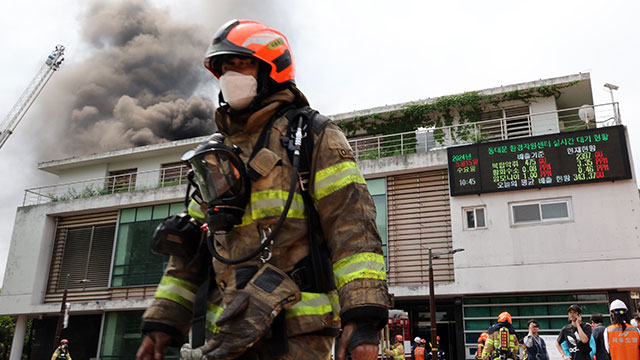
point(238, 89)
point(220, 176)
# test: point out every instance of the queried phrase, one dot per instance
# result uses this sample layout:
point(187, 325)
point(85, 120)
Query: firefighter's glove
point(246, 319)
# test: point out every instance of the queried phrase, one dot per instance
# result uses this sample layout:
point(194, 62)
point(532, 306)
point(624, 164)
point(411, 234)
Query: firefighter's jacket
point(493, 347)
point(347, 216)
point(60, 354)
point(396, 351)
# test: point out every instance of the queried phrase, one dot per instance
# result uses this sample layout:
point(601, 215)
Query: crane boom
point(31, 93)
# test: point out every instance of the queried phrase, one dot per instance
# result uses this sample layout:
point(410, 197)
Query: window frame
point(465, 223)
point(542, 221)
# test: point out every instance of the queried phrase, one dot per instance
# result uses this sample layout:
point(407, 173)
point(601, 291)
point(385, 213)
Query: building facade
point(532, 180)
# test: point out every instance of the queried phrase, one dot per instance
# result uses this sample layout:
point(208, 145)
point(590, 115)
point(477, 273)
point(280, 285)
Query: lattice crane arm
point(31, 93)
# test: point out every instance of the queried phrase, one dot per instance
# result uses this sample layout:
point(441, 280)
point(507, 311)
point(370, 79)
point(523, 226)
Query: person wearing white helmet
point(621, 339)
point(416, 343)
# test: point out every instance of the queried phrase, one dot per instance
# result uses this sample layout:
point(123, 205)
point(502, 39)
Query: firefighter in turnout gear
point(292, 253)
point(397, 350)
point(62, 351)
point(481, 341)
point(502, 341)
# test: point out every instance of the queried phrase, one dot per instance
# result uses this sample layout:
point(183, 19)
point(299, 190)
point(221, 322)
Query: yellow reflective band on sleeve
point(213, 313)
point(270, 203)
point(359, 266)
point(176, 290)
point(315, 304)
point(336, 177)
point(195, 212)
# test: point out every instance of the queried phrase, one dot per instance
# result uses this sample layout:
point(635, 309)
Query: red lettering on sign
point(598, 154)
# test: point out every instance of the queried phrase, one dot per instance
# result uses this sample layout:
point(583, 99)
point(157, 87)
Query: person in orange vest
point(621, 340)
point(481, 341)
point(397, 351)
point(418, 353)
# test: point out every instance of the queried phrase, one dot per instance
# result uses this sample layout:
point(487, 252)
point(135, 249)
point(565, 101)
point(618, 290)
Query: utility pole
point(63, 308)
point(432, 301)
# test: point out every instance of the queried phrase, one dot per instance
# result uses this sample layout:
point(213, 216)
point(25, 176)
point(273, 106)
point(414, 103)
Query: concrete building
point(532, 180)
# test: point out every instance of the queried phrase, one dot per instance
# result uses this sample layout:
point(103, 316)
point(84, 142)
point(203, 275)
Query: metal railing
point(121, 183)
point(513, 127)
point(374, 147)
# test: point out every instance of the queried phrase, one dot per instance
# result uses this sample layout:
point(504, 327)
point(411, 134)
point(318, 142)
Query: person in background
point(419, 351)
point(62, 351)
point(481, 341)
point(636, 319)
point(536, 347)
point(416, 343)
point(577, 335)
point(397, 350)
point(441, 355)
point(621, 340)
point(597, 323)
point(494, 347)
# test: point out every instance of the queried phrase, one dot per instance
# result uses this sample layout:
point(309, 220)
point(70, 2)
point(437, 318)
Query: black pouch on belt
point(177, 235)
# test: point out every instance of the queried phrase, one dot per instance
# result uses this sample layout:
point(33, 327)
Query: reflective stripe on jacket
point(347, 220)
point(492, 346)
point(624, 342)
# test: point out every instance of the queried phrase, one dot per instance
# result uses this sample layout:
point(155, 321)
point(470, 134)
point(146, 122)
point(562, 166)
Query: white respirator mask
point(238, 89)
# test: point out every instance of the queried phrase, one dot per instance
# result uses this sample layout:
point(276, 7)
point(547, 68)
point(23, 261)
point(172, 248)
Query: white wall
point(32, 242)
point(589, 252)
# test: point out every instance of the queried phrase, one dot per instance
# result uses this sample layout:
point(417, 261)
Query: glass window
point(378, 190)
point(474, 218)
point(121, 336)
point(526, 213)
point(554, 211)
point(541, 211)
point(134, 263)
point(549, 310)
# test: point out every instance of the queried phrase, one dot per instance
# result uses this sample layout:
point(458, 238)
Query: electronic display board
point(539, 161)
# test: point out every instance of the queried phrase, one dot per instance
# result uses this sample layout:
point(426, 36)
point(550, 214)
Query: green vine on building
point(440, 113)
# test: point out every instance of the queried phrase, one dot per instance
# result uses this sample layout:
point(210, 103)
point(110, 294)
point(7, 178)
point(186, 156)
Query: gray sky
point(349, 55)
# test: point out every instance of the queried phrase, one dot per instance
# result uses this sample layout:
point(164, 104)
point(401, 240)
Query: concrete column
point(18, 338)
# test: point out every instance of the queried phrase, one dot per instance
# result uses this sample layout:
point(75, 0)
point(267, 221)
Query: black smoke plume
point(137, 85)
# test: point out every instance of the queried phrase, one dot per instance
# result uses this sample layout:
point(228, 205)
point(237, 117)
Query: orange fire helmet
point(398, 337)
point(504, 316)
point(484, 336)
point(251, 38)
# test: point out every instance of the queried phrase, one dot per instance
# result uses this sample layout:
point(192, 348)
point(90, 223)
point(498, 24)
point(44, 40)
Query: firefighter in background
point(62, 351)
point(621, 340)
point(437, 348)
point(502, 341)
point(397, 350)
point(419, 350)
point(481, 341)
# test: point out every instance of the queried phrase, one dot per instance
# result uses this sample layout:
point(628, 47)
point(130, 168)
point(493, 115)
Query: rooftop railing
point(513, 127)
point(121, 183)
point(372, 147)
